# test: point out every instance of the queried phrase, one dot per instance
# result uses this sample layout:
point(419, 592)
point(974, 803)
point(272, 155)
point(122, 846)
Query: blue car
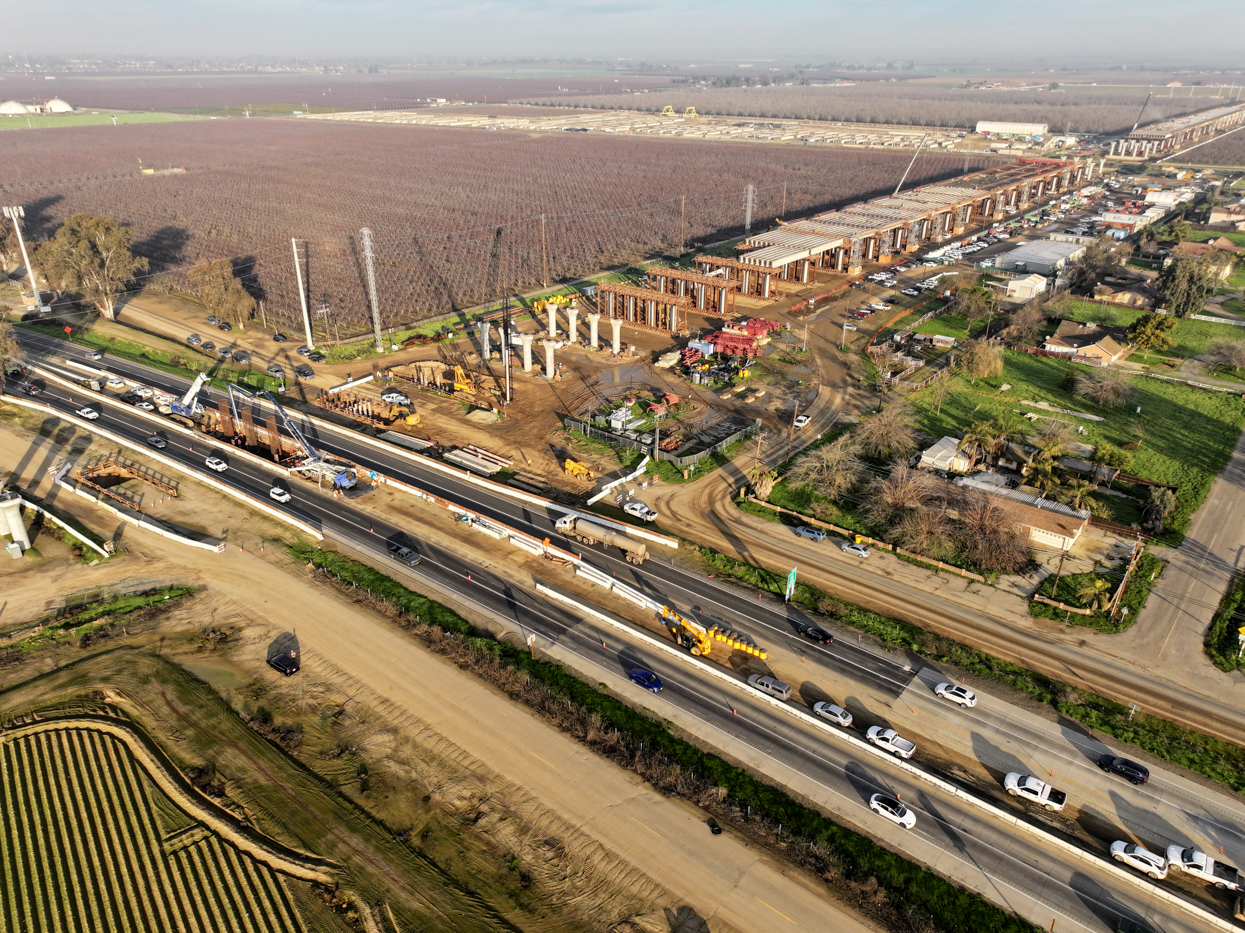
point(646, 679)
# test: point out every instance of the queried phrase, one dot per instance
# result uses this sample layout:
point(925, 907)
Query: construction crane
point(188, 407)
point(315, 464)
point(461, 381)
point(691, 635)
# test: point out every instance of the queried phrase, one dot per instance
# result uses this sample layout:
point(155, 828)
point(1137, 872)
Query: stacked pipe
point(738, 641)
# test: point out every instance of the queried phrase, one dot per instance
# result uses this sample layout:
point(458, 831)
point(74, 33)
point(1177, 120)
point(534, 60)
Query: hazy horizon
point(1058, 30)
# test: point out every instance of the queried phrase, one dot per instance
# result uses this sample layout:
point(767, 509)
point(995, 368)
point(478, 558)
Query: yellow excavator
point(691, 635)
point(408, 417)
point(461, 382)
point(578, 470)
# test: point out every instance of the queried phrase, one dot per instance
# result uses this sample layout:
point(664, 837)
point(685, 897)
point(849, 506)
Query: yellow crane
point(461, 382)
point(691, 635)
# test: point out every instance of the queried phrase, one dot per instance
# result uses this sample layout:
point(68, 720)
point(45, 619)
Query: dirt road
point(616, 825)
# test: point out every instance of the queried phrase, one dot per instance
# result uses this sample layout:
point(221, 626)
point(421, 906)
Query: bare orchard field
point(433, 198)
point(1227, 150)
point(1077, 110)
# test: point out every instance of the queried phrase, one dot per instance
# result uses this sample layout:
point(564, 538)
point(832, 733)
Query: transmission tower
point(750, 196)
point(371, 285)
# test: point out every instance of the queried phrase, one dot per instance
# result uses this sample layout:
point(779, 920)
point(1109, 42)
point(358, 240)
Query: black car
point(287, 664)
point(279, 338)
point(31, 389)
point(316, 357)
point(819, 635)
point(129, 398)
point(1135, 773)
point(241, 356)
point(157, 442)
point(225, 326)
point(304, 372)
point(404, 554)
point(207, 346)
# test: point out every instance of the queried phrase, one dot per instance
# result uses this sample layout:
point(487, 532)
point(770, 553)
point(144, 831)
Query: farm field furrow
point(434, 199)
point(82, 849)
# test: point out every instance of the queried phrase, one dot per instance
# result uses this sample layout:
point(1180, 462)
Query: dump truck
point(1200, 865)
point(587, 532)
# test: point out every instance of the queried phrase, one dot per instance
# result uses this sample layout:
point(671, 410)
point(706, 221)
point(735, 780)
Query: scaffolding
point(709, 293)
point(644, 308)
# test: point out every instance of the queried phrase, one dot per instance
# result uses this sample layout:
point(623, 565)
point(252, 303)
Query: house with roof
point(1231, 215)
point(1088, 342)
point(945, 455)
point(1026, 287)
point(1219, 250)
point(1049, 524)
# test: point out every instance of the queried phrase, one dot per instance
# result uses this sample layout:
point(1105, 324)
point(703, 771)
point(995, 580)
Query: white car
point(1143, 860)
point(95, 355)
point(893, 810)
point(801, 420)
point(115, 383)
point(90, 414)
point(836, 714)
point(891, 741)
point(957, 693)
point(143, 392)
point(145, 405)
point(640, 510)
point(277, 494)
point(856, 550)
point(394, 397)
point(216, 463)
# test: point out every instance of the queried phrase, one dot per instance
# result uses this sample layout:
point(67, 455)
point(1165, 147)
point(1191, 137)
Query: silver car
point(836, 714)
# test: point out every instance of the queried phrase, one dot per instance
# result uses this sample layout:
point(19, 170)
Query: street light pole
point(15, 214)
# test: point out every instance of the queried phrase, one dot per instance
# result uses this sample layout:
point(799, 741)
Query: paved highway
point(1167, 811)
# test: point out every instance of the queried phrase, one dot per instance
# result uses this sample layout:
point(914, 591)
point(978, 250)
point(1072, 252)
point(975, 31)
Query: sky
point(1100, 32)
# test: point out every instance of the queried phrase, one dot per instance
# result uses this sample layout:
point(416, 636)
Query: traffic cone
point(371, 530)
point(733, 712)
point(469, 578)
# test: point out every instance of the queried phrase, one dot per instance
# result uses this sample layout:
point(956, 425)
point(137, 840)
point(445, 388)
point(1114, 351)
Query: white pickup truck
point(1030, 788)
point(1201, 865)
point(891, 740)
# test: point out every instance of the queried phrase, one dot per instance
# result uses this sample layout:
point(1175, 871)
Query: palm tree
point(762, 481)
point(1042, 475)
point(1094, 593)
point(1075, 493)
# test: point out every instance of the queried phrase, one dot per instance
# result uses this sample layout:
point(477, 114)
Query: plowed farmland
point(90, 843)
point(1230, 150)
point(433, 198)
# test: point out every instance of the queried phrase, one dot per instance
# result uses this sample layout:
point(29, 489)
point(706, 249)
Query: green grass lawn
point(948, 325)
point(1189, 433)
point(1201, 236)
point(101, 118)
point(1193, 338)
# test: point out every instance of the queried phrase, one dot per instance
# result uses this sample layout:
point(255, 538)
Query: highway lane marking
point(774, 909)
point(654, 832)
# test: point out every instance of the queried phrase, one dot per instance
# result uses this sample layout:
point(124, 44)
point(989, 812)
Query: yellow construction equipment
point(578, 470)
point(461, 382)
point(667, 111)
point(690, 112)
point(691, 635)
point(407, 416)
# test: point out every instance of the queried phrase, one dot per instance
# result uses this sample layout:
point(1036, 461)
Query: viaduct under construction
point(1178, 132)
point(844, 240)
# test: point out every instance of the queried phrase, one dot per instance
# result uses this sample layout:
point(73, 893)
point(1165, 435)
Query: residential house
point(1049, 524)
point(1088, 341)
point(1231, 215)
point(945, 455)
point(1216, 250)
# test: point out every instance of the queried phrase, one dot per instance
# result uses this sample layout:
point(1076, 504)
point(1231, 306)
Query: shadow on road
point(864, 783)
point(1103, 905)
point(998, 762)
point(1154, 832)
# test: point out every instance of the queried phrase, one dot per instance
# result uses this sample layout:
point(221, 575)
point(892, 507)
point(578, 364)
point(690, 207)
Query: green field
point(1189, 433)
point(1201, 236)
point(90, 843)
point(102, 118)
point(1193, 338)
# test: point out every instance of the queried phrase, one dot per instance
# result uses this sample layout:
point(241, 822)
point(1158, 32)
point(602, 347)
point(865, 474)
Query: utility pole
point(371, 285)
point(15, 214)
point(544, 255)
point(302, 297)
point(750, 194)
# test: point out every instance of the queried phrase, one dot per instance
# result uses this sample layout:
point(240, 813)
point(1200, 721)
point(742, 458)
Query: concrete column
point(548, 358)
point(617, 325)
point(11, 519)
point(572, 312)
point(527, 351)
point(594, 321)
point(485, 349)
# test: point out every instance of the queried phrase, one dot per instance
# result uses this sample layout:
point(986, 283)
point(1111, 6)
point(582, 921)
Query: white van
point(767, 683)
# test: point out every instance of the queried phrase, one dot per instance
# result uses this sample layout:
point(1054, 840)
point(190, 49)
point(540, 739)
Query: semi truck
point(1200, 865)
point(588, 532)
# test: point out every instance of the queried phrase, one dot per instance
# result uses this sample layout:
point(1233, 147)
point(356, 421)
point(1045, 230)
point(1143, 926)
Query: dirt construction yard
point(630, 858)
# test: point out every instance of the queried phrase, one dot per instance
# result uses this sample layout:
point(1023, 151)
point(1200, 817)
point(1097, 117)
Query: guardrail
point(840, 735)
